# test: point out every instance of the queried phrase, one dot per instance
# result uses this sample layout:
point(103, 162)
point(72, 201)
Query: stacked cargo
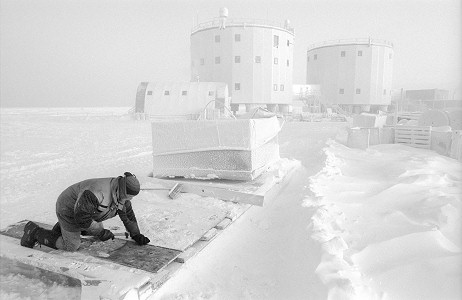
point(233, 149)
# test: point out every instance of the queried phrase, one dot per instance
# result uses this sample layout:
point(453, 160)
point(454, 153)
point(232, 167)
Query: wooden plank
point(199, 245)
point(208, 190)
point(225, 194)
point(254, 192)
point(414, 132)
point(409, 128)
point(413, 135)
point(209, 235)
point(223, 224)
point(187, 254)
point(402, 139)
point(412, 141)
point(232, 215)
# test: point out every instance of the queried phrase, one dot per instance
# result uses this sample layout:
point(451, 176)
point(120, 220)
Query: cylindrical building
point(254, 57)
point(355, 74)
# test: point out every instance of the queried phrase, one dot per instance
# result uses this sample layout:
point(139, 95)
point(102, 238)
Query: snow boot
point(35, 234)
point(28, 239)
point(47, 237)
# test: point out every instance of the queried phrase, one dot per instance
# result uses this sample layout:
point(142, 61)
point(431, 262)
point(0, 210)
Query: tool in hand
point(126, 234)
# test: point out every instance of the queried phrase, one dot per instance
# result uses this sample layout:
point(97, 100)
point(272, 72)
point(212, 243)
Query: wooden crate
point(414, 136)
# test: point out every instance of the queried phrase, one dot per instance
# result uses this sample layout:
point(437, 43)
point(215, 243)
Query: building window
point(385, 91)
point(389, 56)
point(237, 37)
point(237, 59)
point(257, 59)
point(341, 91)
point(360, 53)
point(358, 91)
point(184, 93)
point(288, 43)
point(342, 53)
point(287, 62)
point(281, 88)
point(166, 93)
point(217, 59)
point(202, 61)
point(315, 57)
point(308, 58)
point(276, 41)
point(237, 86)
point(276, 61)
point(275, 87)
point(211, 93)
point(149, 92)
point(217, 39)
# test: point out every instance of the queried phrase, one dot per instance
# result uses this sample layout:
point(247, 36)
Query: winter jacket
point(94, 200)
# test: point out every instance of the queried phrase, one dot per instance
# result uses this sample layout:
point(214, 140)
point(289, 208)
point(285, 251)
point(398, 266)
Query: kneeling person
point(81, 209)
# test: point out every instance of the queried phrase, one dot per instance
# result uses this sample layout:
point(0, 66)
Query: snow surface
point(351, 224)
point(389, 223)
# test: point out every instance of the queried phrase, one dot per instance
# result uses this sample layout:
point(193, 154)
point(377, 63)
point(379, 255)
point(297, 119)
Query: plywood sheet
point(124, 252)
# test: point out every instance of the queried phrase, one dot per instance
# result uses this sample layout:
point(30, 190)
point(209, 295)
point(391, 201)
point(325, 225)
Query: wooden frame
point(414, 136)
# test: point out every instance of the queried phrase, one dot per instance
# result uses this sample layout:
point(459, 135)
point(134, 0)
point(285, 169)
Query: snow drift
point(388, 220)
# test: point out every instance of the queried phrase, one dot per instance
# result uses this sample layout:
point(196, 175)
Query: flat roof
point(351, 42)
point(216, 22)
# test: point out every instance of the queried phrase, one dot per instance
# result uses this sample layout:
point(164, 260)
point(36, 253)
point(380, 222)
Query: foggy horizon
point(95, 53)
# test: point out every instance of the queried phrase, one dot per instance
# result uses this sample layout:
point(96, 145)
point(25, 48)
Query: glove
point(141, 239)
point(105, 235)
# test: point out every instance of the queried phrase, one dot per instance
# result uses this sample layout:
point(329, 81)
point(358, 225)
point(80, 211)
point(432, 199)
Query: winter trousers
point(70, 240)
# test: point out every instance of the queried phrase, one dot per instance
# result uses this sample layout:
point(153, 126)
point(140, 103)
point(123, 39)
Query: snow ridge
point(388, 222)
point(336, 270)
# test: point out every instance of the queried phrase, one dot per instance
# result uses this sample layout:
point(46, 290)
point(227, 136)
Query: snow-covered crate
point(414, 136)
point(441, 140)
point(387, 134)
point(369, 120)
point(456, 145)
point(226, 148)
point(364, 137)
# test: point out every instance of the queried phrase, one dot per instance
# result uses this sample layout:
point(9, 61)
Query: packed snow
point(381, 223)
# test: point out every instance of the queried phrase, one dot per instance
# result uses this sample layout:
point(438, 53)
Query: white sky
point(95, 53)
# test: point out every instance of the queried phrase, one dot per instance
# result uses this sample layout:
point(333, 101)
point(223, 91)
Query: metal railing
point(216, 22)
point(361, 41)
